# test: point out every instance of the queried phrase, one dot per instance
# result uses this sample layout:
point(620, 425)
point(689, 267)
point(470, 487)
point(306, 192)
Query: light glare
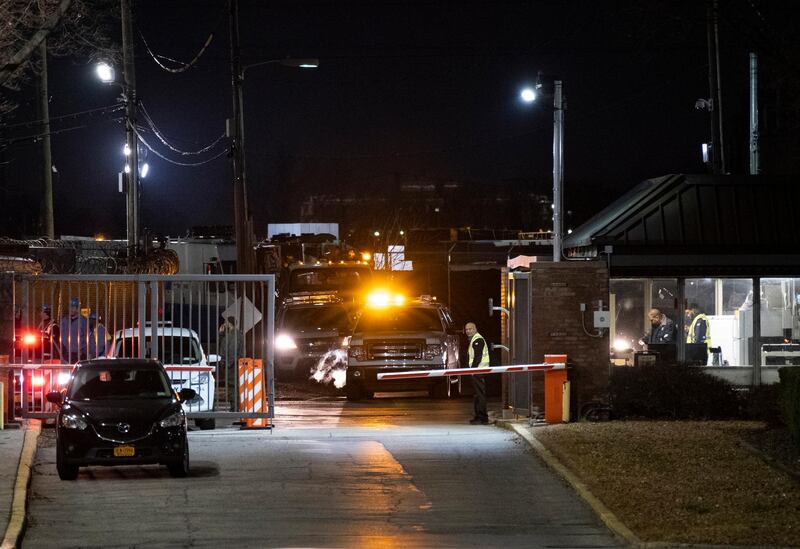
point(105, 72)
point(528, 95)
point(145, 169)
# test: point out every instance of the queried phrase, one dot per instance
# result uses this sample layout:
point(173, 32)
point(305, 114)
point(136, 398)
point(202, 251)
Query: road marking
point(16, 522)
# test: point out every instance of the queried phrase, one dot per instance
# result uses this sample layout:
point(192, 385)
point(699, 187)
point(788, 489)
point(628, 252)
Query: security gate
point(519, 333)
point(203, 328)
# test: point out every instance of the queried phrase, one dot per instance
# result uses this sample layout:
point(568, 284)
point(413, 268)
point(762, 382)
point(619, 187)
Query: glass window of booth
point(780, 321)
point(718, 325)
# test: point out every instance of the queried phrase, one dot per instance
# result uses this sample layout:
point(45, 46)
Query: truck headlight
point(73, 421)
point(175, 419)
point(358, 352)
point(432, 351)
point(284, 343)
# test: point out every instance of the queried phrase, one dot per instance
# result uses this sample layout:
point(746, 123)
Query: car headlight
point(358, 352)
point(175, 419)
point(284, 343)
point(73, 421)
point(433, 350)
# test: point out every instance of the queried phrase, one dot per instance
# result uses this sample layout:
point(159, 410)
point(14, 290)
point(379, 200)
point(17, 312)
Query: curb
point(609, 519)
point(17, 518)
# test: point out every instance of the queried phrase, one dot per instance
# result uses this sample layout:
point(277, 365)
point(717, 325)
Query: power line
point(184, 164)
point(166, 143)
point(110, 108)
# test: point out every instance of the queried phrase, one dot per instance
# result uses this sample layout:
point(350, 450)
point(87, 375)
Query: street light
point(105, 72)
point(241, 215)
point(529, 95)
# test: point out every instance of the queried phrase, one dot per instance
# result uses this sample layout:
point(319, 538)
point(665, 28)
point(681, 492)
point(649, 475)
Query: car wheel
point(440, 388)
point(180, 469)
point(65, 470)
point(206, 424)
point(354, 391)
point(455, 388)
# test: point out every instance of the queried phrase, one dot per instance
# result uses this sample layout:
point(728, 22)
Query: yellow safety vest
point(690, 335)
point(471, 351)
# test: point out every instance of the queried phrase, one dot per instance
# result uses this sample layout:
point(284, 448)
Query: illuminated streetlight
point(127, 168)
point(528, 95)
point(105, 72)
point(126, 150)
point(376, 233)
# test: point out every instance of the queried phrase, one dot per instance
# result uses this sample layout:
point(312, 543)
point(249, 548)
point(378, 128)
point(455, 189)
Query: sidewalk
point(17, 446)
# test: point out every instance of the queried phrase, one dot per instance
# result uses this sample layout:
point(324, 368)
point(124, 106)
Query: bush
point(790, 385)
point(671, 391)
point(764, 403)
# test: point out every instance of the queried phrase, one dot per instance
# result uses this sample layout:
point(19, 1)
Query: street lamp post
point(242, 229)
point(528, 95)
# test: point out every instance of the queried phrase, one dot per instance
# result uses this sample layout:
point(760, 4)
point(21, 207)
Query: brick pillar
point(558, 289)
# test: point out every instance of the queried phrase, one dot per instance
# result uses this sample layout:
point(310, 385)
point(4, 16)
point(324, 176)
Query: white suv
point(181, 353)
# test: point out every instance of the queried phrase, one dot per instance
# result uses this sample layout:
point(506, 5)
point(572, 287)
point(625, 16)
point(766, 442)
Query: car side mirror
point(214, 359)
point(55, 397)
point(187, 394)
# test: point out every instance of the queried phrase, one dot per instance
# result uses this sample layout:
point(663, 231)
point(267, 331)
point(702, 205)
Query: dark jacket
point(663, 333)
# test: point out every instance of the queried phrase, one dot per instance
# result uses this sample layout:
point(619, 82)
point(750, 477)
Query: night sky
point(416, 88)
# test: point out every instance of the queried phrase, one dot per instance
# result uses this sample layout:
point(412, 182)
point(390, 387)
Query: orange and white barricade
point(252, 395)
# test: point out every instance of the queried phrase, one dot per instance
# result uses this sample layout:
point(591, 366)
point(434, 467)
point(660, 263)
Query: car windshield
point(119, 383)
point(327, 279)
point(399, 319)
point(313, 319)
point(171, 349)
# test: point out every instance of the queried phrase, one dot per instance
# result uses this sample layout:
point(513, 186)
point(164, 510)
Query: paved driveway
point(395, 473)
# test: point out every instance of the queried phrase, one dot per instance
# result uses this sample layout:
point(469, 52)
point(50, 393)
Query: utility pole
point(718, 165)
point(558, 167)
point(755, 168)
point(47, 161)
point(129, 94)
point(237, 148)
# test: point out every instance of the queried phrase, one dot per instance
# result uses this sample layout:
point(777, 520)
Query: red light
point(30, 339)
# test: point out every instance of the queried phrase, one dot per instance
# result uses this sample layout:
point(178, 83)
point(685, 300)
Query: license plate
point(124, 451)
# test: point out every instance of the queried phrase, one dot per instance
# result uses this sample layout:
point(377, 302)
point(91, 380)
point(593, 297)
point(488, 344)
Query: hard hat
point(74, 302)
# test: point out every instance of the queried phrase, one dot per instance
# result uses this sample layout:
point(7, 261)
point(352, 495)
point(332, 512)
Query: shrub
point(790, 385)
point(764, 403)
point(671, 391)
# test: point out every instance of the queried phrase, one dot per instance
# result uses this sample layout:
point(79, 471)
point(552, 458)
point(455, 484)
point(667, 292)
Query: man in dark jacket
point(662, 328)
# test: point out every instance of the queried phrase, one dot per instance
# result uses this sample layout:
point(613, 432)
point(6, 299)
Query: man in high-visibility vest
point(478, 353)
point(699, 329)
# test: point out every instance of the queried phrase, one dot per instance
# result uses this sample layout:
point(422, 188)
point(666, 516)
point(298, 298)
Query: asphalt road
point(400, 472)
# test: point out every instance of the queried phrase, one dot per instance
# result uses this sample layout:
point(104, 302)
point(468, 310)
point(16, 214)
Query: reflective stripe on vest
point(471, 351)
point(690, 335)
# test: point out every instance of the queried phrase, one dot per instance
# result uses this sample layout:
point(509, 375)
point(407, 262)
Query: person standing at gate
point(98, 337)
point(478, 354)
point(49, 331)
point(74, 331)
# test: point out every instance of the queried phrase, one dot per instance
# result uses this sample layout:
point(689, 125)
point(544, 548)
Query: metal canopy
point(697, 223)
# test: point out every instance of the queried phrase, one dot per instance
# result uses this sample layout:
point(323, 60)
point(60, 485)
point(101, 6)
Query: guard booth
point(201, 327)
point(518, 340)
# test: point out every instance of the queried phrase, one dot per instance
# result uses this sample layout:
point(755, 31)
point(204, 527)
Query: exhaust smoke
point(331, 367)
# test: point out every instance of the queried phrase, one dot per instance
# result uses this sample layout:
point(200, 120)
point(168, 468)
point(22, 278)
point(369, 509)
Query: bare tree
point(69, 28)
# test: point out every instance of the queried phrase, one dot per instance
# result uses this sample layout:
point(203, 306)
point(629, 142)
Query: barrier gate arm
point(511, 368)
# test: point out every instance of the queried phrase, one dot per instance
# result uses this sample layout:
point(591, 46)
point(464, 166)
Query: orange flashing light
point(30, 339)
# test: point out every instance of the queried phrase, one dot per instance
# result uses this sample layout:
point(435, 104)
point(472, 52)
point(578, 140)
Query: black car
point(120, 412)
